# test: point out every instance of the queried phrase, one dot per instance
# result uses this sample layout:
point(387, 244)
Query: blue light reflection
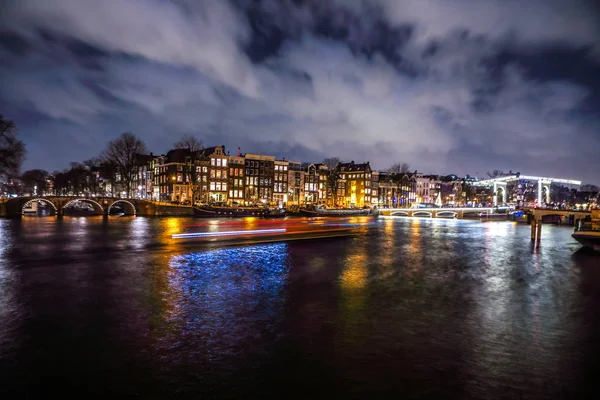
point(228, 299)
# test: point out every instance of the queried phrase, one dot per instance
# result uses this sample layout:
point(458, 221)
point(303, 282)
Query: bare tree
point(399, 168)
point(35, 181)
point(189, 143)
point(12, 150)
point(333, 177)
point(331, 163)
point(92, 167)
point(122, 153)
point(496, 174)
point(191, 168)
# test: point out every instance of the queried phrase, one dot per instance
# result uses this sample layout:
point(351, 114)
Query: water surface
point(411, 308)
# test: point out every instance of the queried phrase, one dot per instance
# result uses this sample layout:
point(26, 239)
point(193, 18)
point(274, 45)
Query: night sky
point(459, 86)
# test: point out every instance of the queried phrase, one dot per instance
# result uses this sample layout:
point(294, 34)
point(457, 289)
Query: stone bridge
point(458, 212)
point(102, 206)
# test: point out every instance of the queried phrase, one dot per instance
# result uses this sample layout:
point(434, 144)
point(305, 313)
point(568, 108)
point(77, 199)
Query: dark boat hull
point(226, 212)
point(335, 213)
point(589, 239)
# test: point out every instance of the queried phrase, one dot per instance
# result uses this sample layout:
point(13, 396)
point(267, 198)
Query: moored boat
point(320, 211)
point(220, 210)
point(79, 208)
point(587, 232)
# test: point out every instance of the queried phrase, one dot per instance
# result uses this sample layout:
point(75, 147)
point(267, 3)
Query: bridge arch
point(128, 207)
point(446, 214)
point(39, 199)
point(399, 214)
point(93, 202)
point(426, 214)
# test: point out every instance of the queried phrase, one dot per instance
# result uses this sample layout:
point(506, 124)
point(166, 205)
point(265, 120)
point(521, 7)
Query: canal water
point(408, 308)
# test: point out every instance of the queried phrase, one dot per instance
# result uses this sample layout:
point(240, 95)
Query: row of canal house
point(213, 175)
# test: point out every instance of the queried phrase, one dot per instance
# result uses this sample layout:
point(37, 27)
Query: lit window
point(231, 193)
point(224, 187)
point(212, 186)
point(224, 162)
point(212, 161)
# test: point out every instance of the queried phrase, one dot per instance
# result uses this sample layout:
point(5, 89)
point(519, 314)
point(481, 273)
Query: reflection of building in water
point(354, 275)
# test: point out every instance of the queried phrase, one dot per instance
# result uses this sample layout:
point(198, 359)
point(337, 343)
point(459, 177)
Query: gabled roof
point(352, 167)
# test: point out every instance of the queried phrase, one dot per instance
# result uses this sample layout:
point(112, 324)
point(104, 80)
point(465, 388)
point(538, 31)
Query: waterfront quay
point(419, 308)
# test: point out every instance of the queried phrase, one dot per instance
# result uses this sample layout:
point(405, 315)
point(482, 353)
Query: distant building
point(218, 173)
point(296, 176)
point(259, 172)
point(142, 182)
point(357, 184)
point(428, 188)
point(236, 179)
point(397, 190)
point(315, 184)
point(169, 178)
point(280, 182)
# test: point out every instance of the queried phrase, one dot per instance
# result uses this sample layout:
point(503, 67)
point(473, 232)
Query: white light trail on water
point(226, 233)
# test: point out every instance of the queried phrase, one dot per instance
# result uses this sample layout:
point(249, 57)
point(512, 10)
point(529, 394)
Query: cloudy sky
point(464, 86)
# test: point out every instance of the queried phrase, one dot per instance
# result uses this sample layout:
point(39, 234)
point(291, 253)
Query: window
point(179, 178)
point(205, 169)
point(212, 186)
point(224, 162)
point(218, 174)
point(231, 193)
point(285, 167)
point(224, 187)
point(218, 162)
point(212, 173)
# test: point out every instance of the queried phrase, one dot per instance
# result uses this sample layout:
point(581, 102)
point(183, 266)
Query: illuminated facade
point(259, 175)
point(357, 184)
point(236, 179)
point(428, 189)
point(218, 173)
point(280, 182)
point(169, 180)
point(315, 184)
point(295, 182)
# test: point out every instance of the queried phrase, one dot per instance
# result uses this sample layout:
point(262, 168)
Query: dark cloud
point(457, 86)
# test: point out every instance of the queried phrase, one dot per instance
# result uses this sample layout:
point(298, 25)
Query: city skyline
point(443, 88)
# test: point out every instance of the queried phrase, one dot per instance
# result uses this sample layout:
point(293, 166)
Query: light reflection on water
point(428, 308)
point(225, 300)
